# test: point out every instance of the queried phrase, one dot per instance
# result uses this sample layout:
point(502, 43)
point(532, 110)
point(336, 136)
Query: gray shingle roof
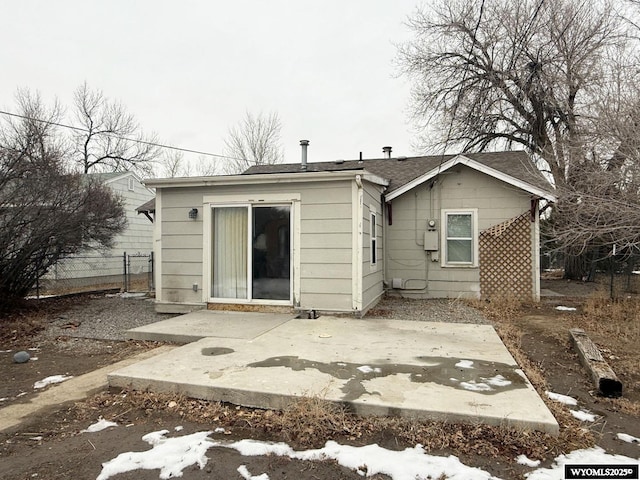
point(517, 164)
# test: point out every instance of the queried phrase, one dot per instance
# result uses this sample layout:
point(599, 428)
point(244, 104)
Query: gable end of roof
point(478, 166)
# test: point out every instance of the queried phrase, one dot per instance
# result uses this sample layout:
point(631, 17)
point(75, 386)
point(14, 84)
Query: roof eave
point(298, 177)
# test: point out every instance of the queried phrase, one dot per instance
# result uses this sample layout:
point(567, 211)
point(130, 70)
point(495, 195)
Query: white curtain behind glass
point(230, 252)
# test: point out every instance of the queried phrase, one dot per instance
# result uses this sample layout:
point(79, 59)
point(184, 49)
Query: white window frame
point(473, 212)
point(373, 238)
point(131, 185)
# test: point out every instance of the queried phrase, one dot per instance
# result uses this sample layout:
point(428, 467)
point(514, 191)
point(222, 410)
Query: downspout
point(356, 267)
point(385, 224)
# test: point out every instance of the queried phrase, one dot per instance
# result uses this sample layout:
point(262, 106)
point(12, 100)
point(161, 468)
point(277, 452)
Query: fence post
point(611, 277)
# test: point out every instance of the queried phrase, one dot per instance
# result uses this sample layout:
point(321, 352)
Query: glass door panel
point(271, 252)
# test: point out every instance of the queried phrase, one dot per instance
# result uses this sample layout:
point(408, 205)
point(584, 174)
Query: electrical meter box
point(431, 240)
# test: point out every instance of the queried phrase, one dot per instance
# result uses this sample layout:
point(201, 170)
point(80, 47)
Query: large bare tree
point(108, 138)
point(46, 212)
point(531, 73)
point(253, 141)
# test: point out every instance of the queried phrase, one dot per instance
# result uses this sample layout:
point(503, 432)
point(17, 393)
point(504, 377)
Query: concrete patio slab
point(209, 323)
point(445, 371)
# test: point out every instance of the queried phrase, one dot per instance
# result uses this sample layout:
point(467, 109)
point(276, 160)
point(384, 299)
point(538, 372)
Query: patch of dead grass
point(504, 311)
point(22, 319)
point(310, 422)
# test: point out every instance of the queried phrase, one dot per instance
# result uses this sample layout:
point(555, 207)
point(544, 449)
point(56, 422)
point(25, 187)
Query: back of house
point(335, 236)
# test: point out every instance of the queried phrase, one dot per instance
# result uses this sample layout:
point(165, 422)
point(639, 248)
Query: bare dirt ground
point(50, 445)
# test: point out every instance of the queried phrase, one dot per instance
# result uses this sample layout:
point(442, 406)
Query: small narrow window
point(131, 184)
point(374, 239)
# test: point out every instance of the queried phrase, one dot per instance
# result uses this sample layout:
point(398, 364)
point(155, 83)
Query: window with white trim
point(373, 247)
point(460, 237)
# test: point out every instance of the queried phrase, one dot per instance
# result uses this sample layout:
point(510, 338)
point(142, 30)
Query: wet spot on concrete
point(214, 351)
point(486, 378)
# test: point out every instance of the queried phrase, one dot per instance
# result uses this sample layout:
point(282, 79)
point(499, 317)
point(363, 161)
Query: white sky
point(189, 70)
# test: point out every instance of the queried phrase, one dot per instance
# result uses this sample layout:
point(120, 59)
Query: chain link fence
point(86, 273)
point(618, 274)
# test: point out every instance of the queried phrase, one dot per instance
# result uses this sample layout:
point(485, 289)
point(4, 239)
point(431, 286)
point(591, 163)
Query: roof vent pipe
point(386, 152)
point(304, 144)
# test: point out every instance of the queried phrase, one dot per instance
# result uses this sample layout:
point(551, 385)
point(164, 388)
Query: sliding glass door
point(255, 270)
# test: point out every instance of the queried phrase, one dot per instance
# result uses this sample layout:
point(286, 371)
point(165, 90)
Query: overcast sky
point(188, 70)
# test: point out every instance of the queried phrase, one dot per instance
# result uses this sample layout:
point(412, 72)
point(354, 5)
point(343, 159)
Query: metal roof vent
point(340, 161)
point(304, 144)
point(402, 159)
point(386, 151)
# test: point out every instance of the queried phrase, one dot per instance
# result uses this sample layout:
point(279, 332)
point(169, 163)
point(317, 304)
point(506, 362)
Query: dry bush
point(499, 307)
point(619, 318)
point(308, 420)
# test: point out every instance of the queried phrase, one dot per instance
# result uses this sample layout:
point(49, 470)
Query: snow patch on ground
point(100, 425)
point(408, 464)
point(50, 380)
point(565, 309)
point(627, 438)
point(172, 455)
point(244, 473)
point(583, 416)
point(524, 460)
point(558, 397)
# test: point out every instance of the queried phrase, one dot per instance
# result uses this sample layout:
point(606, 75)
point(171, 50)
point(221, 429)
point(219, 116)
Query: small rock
point(21, 357)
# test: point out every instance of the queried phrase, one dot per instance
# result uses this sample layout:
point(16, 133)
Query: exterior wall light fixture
point(193, 213)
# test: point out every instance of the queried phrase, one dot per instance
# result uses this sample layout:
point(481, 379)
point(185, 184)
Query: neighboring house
point(107, 265)
point(334, 236)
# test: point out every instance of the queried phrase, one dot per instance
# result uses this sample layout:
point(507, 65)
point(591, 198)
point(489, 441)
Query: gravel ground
point(433, 310)
point(104, 317)
point(107, 317)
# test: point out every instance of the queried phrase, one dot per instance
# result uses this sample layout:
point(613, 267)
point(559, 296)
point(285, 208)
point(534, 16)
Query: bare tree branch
point(110, 139)
point(254, 141)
